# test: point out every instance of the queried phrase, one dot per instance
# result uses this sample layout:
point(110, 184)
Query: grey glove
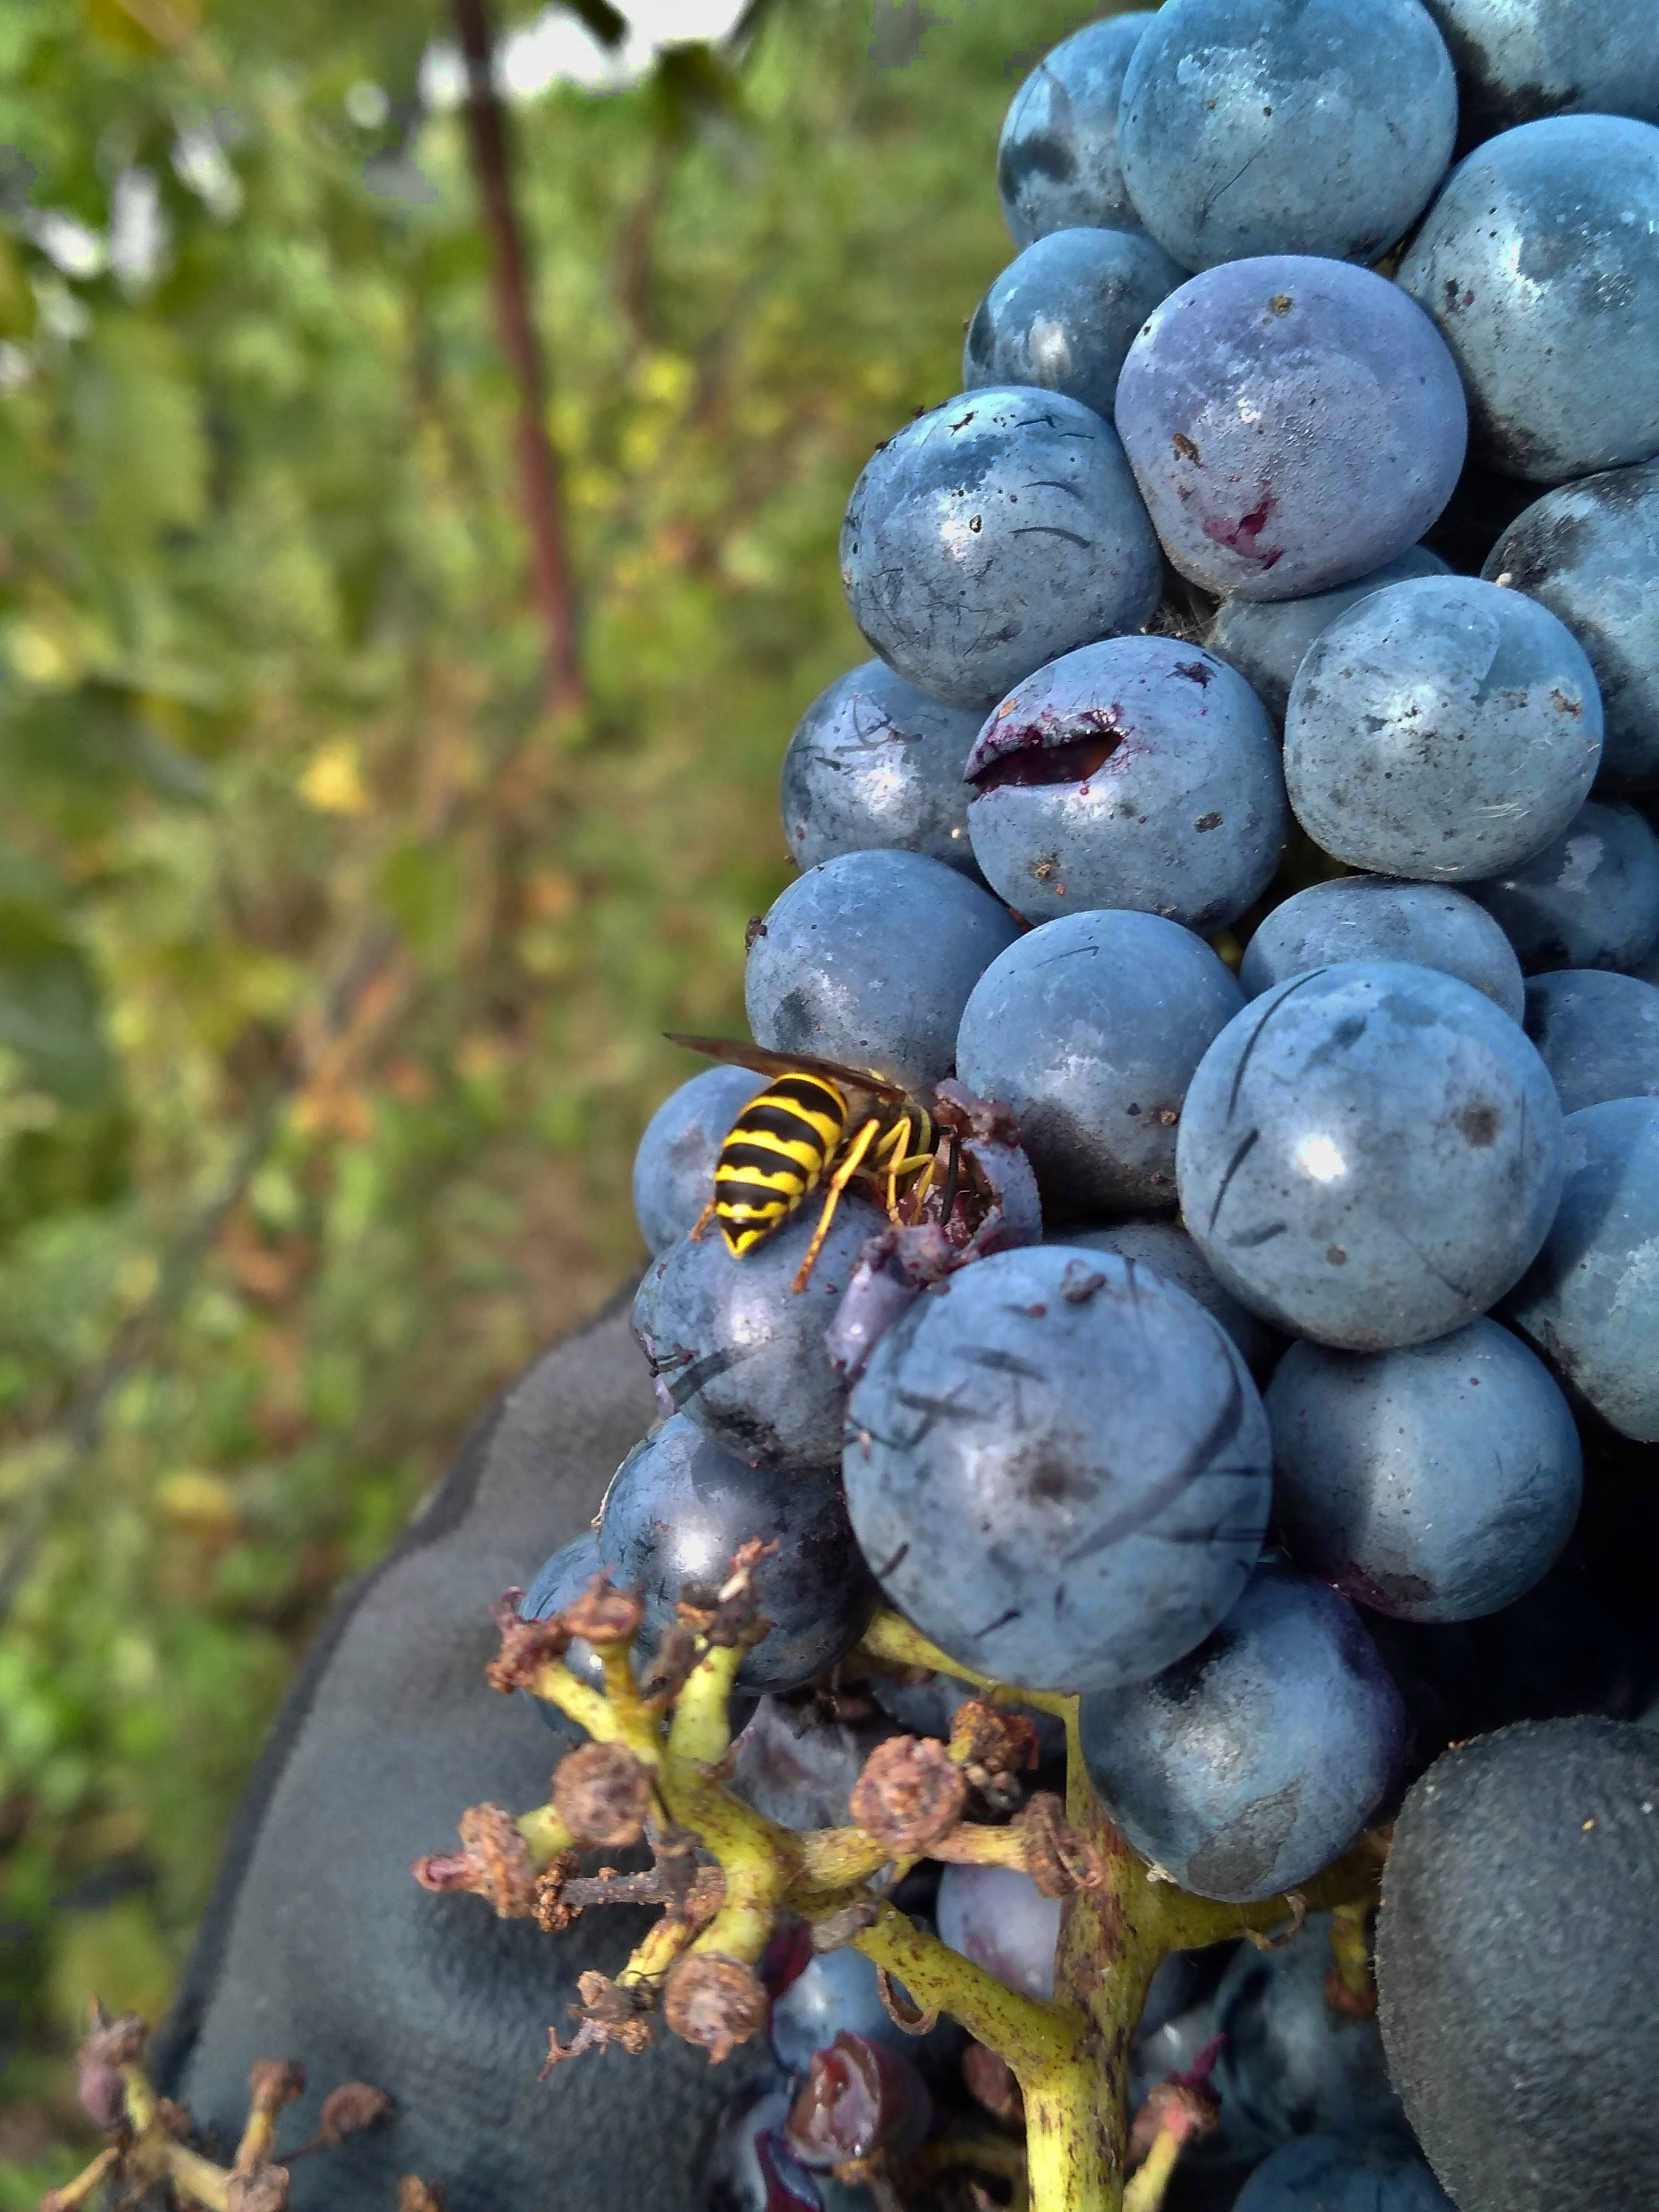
point(319, 1946)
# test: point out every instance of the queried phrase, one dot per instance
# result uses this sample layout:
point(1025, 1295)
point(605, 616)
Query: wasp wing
point(740, 1054)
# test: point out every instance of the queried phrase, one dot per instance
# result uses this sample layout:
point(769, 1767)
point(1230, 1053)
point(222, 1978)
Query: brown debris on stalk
point(909, 1795)
point(715, 2002)
point(526, 1646)
point(603, 1795)
point(494, 1862)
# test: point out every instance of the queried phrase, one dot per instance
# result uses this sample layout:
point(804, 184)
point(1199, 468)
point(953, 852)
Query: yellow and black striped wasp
point(815, 1119)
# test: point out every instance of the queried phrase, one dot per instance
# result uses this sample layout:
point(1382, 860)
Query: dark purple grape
point(1293, 423)
point(991, 535)
point(1057, 162)
point(1372, 1455)
point(747, 2166)
point(1285, 126)
point(1255, 1760)
point(1056, 1466)
point(1139, 772)
point(998, 1918)
point(875, 764)
point(1598, 1034)
point(797, 1763)
point(1062, 316)
point(859, 2098)
point(1537, 262)
point(679, 1507)
point(1587, 899)
point(740, 1352)
point(1589, 552)
point(869, 960)
point(558, 1583)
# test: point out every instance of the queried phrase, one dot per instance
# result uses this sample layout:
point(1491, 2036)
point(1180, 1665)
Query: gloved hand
point(319, 1946)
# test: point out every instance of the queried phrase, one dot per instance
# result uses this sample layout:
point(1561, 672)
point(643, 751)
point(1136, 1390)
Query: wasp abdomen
point(775, 1154)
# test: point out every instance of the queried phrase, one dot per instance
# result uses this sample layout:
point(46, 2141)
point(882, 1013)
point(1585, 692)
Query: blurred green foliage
point(332, 970)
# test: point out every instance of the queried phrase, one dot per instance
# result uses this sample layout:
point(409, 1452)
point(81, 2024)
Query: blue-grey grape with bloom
point(1590, 1301)
point(1139, 773)
point(741, 1353)
point(835, 1990)
point(1292, 424)
point(869, 959)
point(994, 533)
point(1344, 2173)
point(1285, 126)
point(1289, 2062)
point(559, 1582)
point(875, 764)
point(1442, 730)
point(1518, 59)
point(1370, 1154)
point(1266, 639)
point(679, 1507)
point(1063, 315)
point(1589, 552)
point(1257, 1757)
point(1169, 1251)
point(1057, 1466)
point(1587, 899)
point(1381, 918)
point(674, 1166)
point(1537, 262)
point(1372, 1460)
point(1597, 1034)
point(1090, 1028)
point(1057, 163)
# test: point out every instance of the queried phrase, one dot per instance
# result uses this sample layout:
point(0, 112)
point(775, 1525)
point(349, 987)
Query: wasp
point(816, 1119)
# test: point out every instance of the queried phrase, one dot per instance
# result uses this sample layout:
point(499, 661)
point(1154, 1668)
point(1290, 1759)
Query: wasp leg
point(702, 1221)
point(951, 1173)
point(918, 1192)
point(838, 1183)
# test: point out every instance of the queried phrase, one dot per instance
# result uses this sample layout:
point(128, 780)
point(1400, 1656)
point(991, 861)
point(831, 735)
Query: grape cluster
point(1244, 842)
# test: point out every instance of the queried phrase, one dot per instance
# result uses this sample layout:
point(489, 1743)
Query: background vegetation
point(333, 965)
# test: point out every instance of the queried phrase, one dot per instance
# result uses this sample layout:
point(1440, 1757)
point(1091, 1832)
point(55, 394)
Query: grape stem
point(1121, 1917)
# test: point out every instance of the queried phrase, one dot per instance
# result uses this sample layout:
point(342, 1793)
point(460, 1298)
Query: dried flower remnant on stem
point(909, 1795)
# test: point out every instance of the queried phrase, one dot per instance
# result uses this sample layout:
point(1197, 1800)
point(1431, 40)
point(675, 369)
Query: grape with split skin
point(1139, 774)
